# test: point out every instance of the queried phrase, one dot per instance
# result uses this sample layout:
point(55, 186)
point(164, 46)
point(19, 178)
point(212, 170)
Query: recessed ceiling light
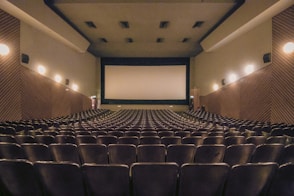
point(198, 24)
point(185, 40)
point(41, 69)
point(124, 24)
point(4, 50)
point(159, 40)
point(90, 24)
point(129, 40)
point(102, 39)
point(163, 24)
point(57, 78)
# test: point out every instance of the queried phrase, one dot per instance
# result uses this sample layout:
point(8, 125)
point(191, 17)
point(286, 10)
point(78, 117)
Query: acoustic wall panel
point(230, 100)
point(10, 83)
point(267, 94)
point(283, 68)
point(255, 95)
point(35, 94)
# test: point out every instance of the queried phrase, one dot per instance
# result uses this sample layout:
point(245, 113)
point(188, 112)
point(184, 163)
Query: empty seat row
point(20, 177)
point(166, 140)
point(128, 153)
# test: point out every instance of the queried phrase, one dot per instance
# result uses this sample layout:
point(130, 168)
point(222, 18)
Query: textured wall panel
point(87, 103)
point(266, 95)
point(35, 94)
point(10, 83)
point(60, 101)
point(256, 95)
point(283, 68)
point(230, 101)
point(211, 102)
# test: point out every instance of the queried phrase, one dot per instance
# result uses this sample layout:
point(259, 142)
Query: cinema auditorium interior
point(147, 97)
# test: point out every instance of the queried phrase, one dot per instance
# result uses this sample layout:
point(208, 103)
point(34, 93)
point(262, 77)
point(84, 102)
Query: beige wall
point(212, 67)
point(79, 68)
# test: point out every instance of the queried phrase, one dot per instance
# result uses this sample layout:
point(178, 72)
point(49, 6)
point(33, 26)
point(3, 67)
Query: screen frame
point(145, 62)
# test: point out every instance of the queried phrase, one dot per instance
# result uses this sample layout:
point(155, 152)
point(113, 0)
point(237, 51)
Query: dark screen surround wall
point(24, 93)
point(267, 94)
point(144, 62)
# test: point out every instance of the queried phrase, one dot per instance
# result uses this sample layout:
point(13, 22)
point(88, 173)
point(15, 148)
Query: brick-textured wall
point(24, 93)
point(267, 94)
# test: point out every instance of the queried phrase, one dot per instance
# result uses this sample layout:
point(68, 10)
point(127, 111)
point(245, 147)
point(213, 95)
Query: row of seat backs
point(107, 139)
point(19, 177)
point(128, 153)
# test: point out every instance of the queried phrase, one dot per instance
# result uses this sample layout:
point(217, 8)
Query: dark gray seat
point(151, 153)
point(213, 153)
point(180, 153)
point(61, 178)
point(202, 179)
point(106, 180)
point(122, 154)
point(154, 179)
point(93, 153)
point(239, 154)
point(37, 152)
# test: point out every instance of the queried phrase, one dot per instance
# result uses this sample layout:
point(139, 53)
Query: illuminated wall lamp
point(4, 50)
point(288, 48)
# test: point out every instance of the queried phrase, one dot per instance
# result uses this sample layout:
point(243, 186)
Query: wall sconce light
point(4, 50)
point(288, 48)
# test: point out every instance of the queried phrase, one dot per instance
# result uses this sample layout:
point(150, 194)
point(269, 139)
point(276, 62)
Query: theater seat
point(154, 179)
point(37, 152)
point(180, 153)
point(151, 153)
point(61, 178)
point(93, 153)
point(202, 179)
point(122, 154)
point(65, 152)
point(249, 179)
point(106, 180)
point(283, 182)
point(238, 154)
point(267, 153)
point(18, 177)
point(213, 153)
point(287, 155)
point(11, 151)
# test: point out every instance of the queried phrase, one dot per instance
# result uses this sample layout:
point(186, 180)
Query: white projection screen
point(132, 83)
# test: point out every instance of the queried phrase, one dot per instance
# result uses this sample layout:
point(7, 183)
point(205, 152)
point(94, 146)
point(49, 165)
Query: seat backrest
point(239, 154)
point(122, 154)
point(24, 139)
point(202, 178)
point(182, 133)
point(154, 179)
point(150, 140)
point(11, 151)
point(65, 139)
point(106, 179)
point(65, 152)
point(106, 139)
point(196, 140)
point(276, 140)
point(18, 177)
point(165, 133)
point(180, 153)
point(256, 140)
point(213, 153)
point(233, 140)
point(93, 153)
point(132, 133)
point(151, 153)
point(167, 140)
point(267, 153)
point(116, 133)
point(61, 178)
point(249, 179)
point(37, 152)
point(148, 133)
point(283, 182)
point(287, 155)
point(7, 138)
point(213, 140)
point(85, 139)
point(128, 140)
point(45, 139)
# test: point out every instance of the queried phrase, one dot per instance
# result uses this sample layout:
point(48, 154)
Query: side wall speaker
point(25, 58)
point(267, 58)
